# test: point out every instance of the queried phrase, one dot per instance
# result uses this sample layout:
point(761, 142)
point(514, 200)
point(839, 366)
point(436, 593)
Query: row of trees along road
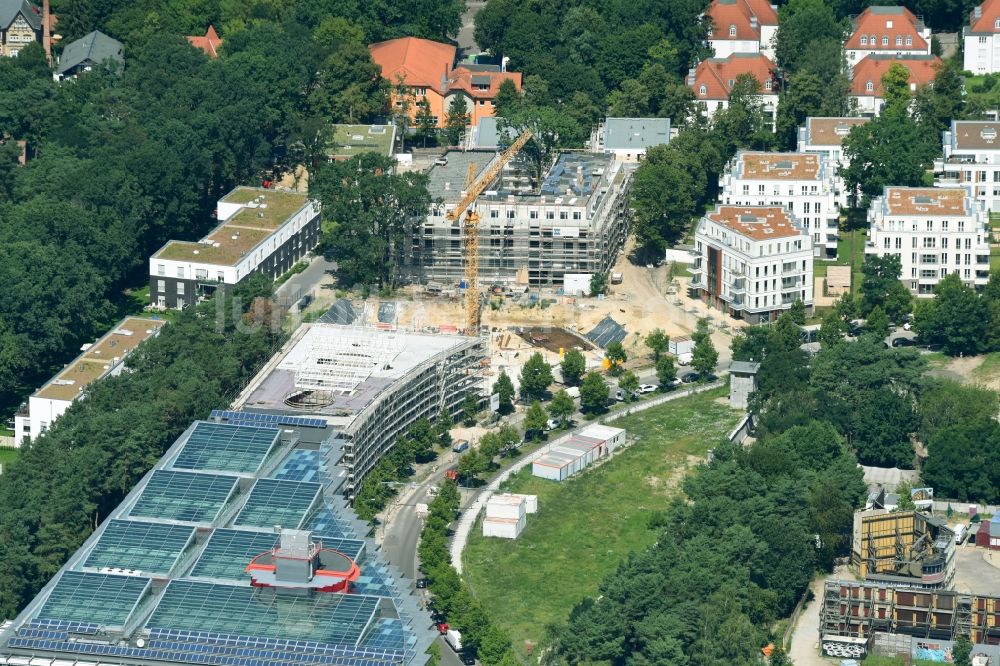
point(121, 163)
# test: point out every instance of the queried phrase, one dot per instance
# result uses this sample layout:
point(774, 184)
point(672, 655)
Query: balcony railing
point(738, 287)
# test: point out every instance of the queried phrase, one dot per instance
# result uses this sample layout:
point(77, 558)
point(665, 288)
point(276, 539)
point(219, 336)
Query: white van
point(960, 533)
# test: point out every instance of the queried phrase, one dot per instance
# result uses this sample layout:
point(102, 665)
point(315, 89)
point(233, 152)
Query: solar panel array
point(185, 496)
point(275, 502)
point(99, 598)
point(228, 552)
point(222, 447)
point(267, 612)
point(146, 547)
point(260, 419)
point(606, 332)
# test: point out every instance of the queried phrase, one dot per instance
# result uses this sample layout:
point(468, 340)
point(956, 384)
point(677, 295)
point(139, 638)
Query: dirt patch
point(672, 483)
point(553, 338)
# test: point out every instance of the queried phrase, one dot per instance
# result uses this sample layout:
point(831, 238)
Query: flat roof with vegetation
point(234, 238)
point(346, 141)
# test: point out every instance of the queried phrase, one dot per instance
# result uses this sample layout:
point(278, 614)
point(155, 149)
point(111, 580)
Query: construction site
point(903, 548)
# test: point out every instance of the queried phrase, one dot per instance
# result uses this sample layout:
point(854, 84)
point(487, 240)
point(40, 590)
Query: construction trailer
point(530, 231)
point(506, 515)
point(573, 453)
point(903, 548)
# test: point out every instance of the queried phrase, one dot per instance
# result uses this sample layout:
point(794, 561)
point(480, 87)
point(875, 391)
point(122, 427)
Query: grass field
point(587, 525)
point(7, 455)
point(989, 368)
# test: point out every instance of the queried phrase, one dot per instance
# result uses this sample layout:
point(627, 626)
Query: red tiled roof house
point(866, 82)
point(713, 79)
point(886, 31)
point(982, 39)
point(742, 26)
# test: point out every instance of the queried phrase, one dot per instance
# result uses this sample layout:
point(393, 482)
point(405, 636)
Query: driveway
point(465, 38)
point(804, 644)
point(305, 282)
point(977, 569)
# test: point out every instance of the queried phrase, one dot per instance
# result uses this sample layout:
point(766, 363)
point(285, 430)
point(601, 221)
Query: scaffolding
point(340, 359)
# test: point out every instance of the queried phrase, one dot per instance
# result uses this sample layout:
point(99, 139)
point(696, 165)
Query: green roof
point(220, 447)
point(145, 547)
point(184, 496)
point(94, 597)
point(278, 502)
point(247, 611)
point(347, 141)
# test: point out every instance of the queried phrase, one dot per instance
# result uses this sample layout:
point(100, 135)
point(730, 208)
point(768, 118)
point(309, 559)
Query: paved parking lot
point(977, 569)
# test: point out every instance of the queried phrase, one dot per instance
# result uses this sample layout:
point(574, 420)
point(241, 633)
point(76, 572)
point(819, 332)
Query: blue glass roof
point(139, 545)
point(94, 597)
point(277, 502)
point(218, 447)
point(184, 496)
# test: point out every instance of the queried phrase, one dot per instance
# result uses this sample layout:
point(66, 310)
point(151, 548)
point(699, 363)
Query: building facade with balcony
point(263, 231)
point(804, 184)
point(752, 262)
point(934, 231)
point(971, 158)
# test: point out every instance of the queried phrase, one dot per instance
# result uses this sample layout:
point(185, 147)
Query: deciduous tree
point(593, 394)
point(536, 377)
point(573, 366)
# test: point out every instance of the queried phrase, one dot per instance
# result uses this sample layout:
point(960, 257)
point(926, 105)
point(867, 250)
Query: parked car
point(469, 660)
point(690, 377)
point(647, 388)
point(619, 395)
point(904, 342)
point(441, 161)
point(551, 424)
point(421, 583)
point(460, 446)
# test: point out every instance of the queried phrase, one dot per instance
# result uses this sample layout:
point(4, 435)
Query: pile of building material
point(573, 453)
point(505, 514)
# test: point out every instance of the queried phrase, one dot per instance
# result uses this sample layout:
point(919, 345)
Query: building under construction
point(531, 231)
point(366, 386)
point(858, 618)
point(904, 548)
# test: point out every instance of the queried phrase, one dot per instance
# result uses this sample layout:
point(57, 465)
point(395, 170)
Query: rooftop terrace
point(926, 201)
point(99, 358)
point(262, 212)
point(778, 166)
point(756, 222)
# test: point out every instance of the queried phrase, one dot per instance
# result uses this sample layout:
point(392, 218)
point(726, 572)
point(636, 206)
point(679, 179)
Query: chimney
point(753, 22)
point(46, 31)
point(691, 76)
point(444, 80)
point(979, 11)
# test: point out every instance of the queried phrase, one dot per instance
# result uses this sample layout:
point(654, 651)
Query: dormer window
point(870, 86)
point(909, 40)
point(732, 82)
point(885, 41)
point(732, 31)
point(996, 24)
point(864, 40)
point(874, 41)
point(899, 40)
point(767, 84)
point(702, 90)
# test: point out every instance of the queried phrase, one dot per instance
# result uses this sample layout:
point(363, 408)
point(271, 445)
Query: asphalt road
point(465, 38)
point(302, 283)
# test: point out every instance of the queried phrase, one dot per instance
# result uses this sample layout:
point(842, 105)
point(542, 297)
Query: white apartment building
point(628, 139)
point(971, 158)
point(804, 184)
point(263, 231)
point(742, 26)
point(825, 137)
point(934, 231)
point(752, 262)
point(886, 31)
point(103, 358)
point(981, 52)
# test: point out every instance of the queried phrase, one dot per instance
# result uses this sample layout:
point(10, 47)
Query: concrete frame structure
point(805, 184)
point(742, 382)
point(627, 139)
point(981, 53)
point(752, 262)
point(575, 221)
point(825, 136)
point(104, 358)
point(934, 231)
point(368, 384)
point(971, 158)
point(262, 231)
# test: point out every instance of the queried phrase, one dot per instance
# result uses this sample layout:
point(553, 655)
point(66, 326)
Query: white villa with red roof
point(866, 82)
point(713, 79)
point(742, 26)
point(982, 39)
point(882, 31)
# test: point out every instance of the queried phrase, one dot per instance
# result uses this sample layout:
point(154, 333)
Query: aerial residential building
point(713, 79)
point(866, 82)
point(742, 26)
point(981, 53)
point(972, 159)
point(103, 358)
point(804, 184)
point(934, 231)
point(531, 233)
point(262, 231)
point(825, 137)
point(886, 31)
point(628, 138)
point(753, 262)
point(368, 385)
point(209, 42)
point(427, 71)
point(20, 25)
point(93, 50)
point(238, 547)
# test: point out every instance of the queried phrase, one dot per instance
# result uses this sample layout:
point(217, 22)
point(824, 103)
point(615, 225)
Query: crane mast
point(471, 225)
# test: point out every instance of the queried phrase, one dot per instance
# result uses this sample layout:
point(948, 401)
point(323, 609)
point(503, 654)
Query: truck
point(454, 639)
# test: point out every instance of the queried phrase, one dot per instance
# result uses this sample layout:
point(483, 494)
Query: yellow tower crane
point(471, 226)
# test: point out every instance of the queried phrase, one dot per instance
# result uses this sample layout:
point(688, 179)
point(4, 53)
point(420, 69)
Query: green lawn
point(851, 250)
point(995, 258)
point(7, 455)
point(588, 524)
point(896, 661)
point(989, 368)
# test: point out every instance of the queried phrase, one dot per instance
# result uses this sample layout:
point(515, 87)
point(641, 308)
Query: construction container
point(681, 345)
point(610, 437)
point(505, 506)
point(530, 502)
point(553, 466)
point(504, 528)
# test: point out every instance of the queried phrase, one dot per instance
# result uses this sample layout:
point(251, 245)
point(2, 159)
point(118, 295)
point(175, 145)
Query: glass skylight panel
point(141, 546)
point(184, 496)
point(94, 598)
point(226, 448)
point(273, 502)
point(228, 552)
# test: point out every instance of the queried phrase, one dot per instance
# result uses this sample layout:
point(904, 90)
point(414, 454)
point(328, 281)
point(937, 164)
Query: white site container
point(530, 502)
point(611, 437)
point(504, 528)
point(505, 506)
